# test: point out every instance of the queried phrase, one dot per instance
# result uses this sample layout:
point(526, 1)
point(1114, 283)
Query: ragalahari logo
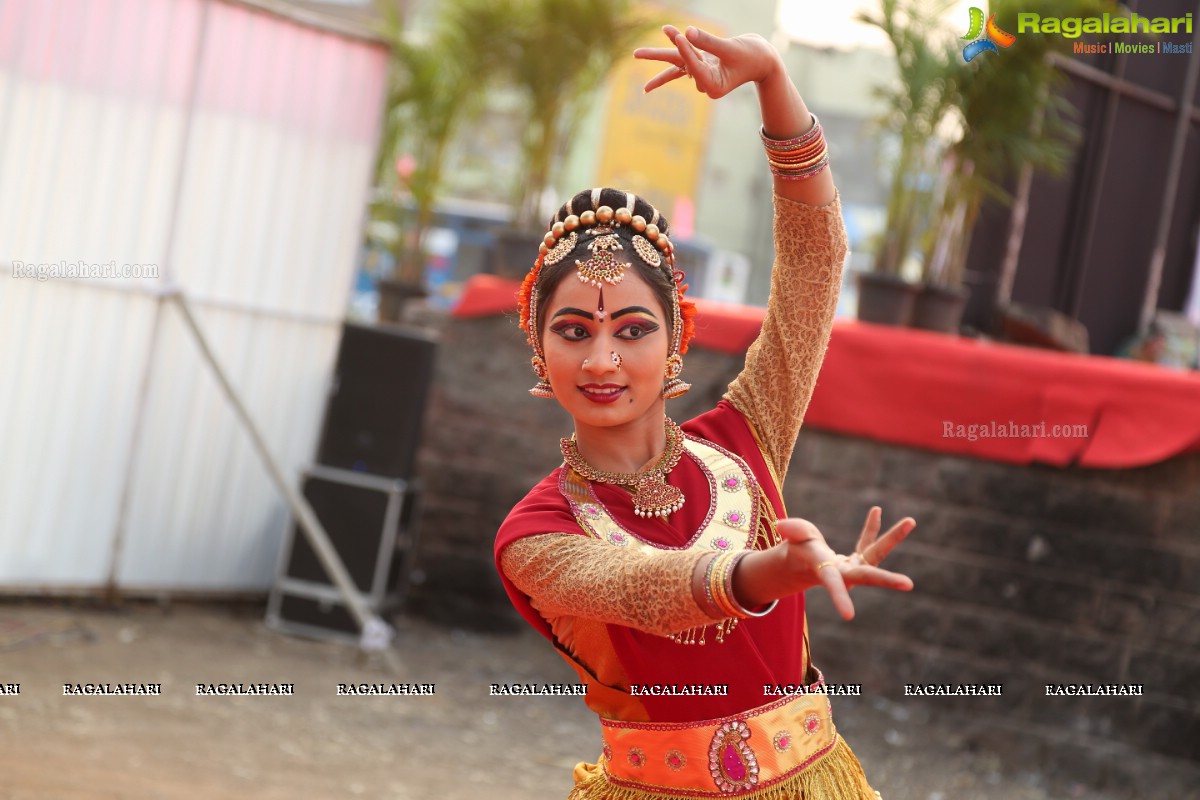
point(992, 37)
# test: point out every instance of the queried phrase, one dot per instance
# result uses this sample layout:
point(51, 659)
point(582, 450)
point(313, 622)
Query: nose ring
point(617, 360)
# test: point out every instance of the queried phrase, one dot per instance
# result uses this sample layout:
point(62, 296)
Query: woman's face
point(580, 342)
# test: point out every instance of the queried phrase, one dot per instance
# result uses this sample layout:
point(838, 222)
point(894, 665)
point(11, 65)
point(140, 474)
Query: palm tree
point(436, 82)
point(1012, 119)
point(916, 104)
point(557, 53)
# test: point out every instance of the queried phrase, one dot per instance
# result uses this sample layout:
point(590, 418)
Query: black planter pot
point(939, 308)
point(513, 252)
point(395, 295)
point(885, 299)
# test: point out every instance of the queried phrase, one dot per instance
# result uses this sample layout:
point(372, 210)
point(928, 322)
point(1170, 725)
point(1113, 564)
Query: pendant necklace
point(652, 495)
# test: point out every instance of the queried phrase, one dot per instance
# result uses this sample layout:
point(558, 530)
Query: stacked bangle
point(800, 157)
point(718, 588)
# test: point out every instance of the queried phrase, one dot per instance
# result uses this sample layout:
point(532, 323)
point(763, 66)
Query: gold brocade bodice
point(739, 516)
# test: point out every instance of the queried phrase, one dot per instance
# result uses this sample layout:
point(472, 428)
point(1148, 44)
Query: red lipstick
point(602, 393)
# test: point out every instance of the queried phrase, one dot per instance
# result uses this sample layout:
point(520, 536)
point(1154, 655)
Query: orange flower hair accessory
point(526, 302)
point(687, 315)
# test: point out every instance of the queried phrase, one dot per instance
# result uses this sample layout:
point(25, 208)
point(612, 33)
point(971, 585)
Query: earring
point(674, 387)
point(543, 387)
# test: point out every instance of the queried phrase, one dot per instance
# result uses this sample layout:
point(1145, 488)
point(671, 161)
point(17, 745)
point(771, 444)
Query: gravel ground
point(457, 744)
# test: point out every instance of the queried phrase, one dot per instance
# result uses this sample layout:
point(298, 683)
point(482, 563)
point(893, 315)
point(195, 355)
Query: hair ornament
point(646, 251)
point(602, 268)
point(561, 250)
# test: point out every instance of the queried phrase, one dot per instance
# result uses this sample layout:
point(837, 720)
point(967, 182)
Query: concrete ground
point(457, 744)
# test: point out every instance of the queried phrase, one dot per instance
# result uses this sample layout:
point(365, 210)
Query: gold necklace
point(653, 496)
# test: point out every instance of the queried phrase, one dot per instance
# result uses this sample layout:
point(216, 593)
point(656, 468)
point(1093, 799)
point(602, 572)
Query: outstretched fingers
point(669, 55)
point(663, 78)
point(887, 543)
point(693, 52)
point(867, 575)
point(719, 47)
point(693, 61)
point(870, 529)
point(831, 578)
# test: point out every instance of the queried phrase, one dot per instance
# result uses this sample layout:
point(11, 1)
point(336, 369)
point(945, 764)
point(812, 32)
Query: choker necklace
point(653, 496)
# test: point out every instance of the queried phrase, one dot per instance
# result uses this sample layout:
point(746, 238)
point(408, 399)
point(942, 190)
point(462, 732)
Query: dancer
point(658, 558)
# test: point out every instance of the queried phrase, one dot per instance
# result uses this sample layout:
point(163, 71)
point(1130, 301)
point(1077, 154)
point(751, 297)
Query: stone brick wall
point(1024, 575)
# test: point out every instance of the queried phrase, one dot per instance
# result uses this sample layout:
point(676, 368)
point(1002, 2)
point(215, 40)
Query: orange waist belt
point(746, 752)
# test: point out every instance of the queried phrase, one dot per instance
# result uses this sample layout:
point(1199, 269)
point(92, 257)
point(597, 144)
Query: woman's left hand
point(717, 65)
point(812, 558)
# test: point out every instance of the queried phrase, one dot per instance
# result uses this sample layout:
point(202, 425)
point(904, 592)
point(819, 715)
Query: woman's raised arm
point(774, 388)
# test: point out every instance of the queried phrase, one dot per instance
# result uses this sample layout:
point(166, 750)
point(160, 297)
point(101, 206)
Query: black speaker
point(377, 401)
point(371, 522)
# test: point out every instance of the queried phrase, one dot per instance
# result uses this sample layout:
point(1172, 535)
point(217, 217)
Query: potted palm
point(916, 105)
point(555, 54)
point(1011, 120)
point(435, 84)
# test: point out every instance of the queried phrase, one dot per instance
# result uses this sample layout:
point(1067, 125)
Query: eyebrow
point(634, 310)
point(579, 312)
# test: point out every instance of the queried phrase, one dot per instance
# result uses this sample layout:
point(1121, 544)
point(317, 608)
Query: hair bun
point(616, 199)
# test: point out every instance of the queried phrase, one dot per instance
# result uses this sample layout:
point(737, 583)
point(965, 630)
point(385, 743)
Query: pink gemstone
point(785, 742)
point(732, 761)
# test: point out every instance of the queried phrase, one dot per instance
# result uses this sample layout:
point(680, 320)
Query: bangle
point(796, 141)
point(713, 610)
point(802, 175)
point(716, 582)
point(798, 165)
point(800, 157)
point(740, 610)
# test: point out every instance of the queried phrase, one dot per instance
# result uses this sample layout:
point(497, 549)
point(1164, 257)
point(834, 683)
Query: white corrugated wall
point(231, 149)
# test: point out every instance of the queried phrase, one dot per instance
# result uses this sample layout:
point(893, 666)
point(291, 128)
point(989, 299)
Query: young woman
point(658, 558)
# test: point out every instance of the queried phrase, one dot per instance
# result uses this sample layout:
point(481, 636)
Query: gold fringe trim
point(766, 537)
point(835, 776)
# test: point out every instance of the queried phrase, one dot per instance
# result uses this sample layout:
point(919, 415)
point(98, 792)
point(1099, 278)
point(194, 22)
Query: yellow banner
point(654, 143)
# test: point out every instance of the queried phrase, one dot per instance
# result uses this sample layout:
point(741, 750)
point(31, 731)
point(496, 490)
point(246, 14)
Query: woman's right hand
point(804, 560)
point(716, 64)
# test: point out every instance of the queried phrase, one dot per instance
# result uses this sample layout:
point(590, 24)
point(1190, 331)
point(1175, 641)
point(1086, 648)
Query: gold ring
point(823, 565)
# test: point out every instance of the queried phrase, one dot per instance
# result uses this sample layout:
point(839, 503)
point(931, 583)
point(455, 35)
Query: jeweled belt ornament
point(726, 757)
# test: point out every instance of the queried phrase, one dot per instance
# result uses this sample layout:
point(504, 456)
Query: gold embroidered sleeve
point(570, 575)
point(774, 387)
